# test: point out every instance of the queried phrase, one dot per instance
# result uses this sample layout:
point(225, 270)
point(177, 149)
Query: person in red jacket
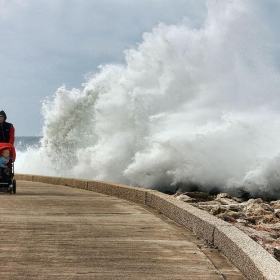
point(7, 130)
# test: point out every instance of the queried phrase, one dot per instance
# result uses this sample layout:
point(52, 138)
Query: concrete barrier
point(254, 262)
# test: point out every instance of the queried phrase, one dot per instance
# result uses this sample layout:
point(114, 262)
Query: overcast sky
point(45, 44)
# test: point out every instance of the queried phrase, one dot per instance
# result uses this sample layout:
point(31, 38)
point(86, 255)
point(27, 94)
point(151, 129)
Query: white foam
point(191, 106)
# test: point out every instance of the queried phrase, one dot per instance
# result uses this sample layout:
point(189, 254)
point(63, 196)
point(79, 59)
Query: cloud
point(45, 44)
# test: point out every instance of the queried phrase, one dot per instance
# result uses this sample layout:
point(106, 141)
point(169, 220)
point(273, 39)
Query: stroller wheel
point(14, 186)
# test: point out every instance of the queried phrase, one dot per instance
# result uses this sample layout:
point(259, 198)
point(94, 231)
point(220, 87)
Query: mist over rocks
point(258, 218)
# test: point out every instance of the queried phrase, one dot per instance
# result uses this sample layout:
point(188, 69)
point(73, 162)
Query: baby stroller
point(7, 182)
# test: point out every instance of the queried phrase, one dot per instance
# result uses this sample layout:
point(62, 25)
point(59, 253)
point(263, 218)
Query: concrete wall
point(254, 262)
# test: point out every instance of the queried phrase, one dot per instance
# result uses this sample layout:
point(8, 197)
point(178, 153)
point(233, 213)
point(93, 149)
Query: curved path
point(57, 232)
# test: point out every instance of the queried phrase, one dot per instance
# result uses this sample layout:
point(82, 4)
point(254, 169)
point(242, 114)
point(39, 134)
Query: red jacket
point(12, 135)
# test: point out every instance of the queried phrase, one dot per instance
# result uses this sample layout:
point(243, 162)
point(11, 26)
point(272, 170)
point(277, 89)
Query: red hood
point(10, 147)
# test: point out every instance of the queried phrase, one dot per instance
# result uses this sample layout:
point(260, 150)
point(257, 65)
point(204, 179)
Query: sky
point(48, 44)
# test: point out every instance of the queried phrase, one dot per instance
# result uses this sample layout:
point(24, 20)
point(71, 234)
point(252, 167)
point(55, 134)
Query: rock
point(227, 217)
point(223, 195)
point(242, 222)
point(199, 196)
point(179, 192)
point(205, 207)
point(275, 225)
point(277, 213)
point(236, 207)
point(212, 202)
point(235, 215)
point(217, 210)
point(256, 207)
point(275, 204)
point(184, 197)
point(258, 218)
point(275, 251)
point(238, 199)
point(264, 238)
point(227, 201)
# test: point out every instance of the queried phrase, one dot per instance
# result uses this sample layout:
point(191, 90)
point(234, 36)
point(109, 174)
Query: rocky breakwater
point(258, 218)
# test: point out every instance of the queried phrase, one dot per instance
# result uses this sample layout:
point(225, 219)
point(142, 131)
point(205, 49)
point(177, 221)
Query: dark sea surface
point(24, 142)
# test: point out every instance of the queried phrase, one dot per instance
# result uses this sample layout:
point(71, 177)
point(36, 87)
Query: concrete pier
point(51, 231)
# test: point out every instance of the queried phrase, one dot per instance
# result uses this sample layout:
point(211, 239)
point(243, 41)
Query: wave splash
point(191, 107)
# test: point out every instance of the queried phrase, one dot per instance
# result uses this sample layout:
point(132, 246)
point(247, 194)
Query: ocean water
point(191, 107)
point(23, 143)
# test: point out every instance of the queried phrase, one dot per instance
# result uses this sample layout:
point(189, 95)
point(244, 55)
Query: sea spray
point(191, 107)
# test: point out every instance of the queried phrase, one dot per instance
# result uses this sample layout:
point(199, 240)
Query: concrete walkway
point(57, 232)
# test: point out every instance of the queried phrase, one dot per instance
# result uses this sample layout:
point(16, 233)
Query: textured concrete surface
point(56, 232)
point(243, 252)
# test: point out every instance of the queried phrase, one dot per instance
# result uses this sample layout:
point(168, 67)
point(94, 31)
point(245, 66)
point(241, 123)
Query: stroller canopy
point(10, 147)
